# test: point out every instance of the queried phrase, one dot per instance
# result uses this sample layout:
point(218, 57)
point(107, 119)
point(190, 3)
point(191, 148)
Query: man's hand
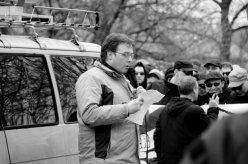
point(139, 90)
point(214, 101)
point(135, 105)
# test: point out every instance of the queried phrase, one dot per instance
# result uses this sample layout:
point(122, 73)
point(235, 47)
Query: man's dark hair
point(186, 85)
point(111, 43)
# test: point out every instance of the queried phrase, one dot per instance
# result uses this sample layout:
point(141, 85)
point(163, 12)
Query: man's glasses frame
point(203, 86)
point(226, 73)
point(209, 85)
point(188, 73)
point(126, 54)
point(238, 88)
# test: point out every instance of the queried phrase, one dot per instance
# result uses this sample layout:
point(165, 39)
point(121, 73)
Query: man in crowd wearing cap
point(216, 66)
point(239, 85)
point(213, 66)
point(226, 68)
point(202, 95)
point(170, 89)
point(169, 73)
point(182, 68)
point(215, 85)
point(154, 75)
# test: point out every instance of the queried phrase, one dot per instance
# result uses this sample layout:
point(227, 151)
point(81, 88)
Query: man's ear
point(195, 89)
point(109, 55)
point(222, 84)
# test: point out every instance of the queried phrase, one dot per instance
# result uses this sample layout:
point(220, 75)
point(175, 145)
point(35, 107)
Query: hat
point(227, 64)
point(215, 63)
point(201, 76)
point(196, 62)
point(184, 65)
point(169, 72)
point(237, 77)
point(155, 72)
point(213, 76)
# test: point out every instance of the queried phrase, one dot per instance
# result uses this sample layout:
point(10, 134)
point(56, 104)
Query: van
point(37, 79)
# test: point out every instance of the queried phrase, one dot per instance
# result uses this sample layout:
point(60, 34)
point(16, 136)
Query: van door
point(67, 70)
point(29, 109)
point(4, 156)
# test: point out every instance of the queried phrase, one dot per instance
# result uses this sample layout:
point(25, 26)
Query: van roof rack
point(13, 16)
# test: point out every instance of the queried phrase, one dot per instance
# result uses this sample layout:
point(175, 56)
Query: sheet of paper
point(150, 97)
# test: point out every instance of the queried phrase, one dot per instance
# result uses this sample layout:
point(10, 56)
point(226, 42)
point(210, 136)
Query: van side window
point(67, 71)
point(25, 90)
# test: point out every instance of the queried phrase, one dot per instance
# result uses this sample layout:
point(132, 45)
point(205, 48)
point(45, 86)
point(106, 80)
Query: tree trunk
point(226, 31)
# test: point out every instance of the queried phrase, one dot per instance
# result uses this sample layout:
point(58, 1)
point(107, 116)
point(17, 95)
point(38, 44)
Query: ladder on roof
point(13, 16)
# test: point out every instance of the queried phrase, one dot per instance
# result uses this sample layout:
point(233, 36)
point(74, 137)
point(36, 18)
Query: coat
point(224, 143)
point(105, 136)
point(168, 89)
point(179, 123)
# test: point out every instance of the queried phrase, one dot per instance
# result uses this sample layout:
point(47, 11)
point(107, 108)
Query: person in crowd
point(154, 75)
point(197, 66)
point(131, 76)
point(215, 85)
point(141, 74)
point(216, 66)
point(213, 66)
point(182, 121)
point(223, 143)
point(202, 95)
point(226, 68)
point(239, 85)
point(182, 68)
point(170, 89)
point(105, 99)
point(169, 73)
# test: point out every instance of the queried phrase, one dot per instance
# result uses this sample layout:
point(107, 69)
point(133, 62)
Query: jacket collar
point(110, 71)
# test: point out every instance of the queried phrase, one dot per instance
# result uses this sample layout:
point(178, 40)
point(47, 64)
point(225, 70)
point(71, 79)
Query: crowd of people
point(227, 81)
point(108, 93)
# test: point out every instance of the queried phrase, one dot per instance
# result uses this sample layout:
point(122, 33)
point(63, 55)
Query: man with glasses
point(216, 66)
point(215, 85)
point(105, 98)
point(185, 67)
point(202, 95)
point(170, 88)
point(239, 85)
point(226, 68)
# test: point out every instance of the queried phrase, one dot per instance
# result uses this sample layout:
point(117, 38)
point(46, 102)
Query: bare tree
point(227, 26)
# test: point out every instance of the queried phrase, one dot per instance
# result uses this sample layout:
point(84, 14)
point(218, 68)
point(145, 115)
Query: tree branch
point(198, 33)
point(237, 14)
point(144, 29)
point(142, 4)
point(217, 2)
point(240, 28)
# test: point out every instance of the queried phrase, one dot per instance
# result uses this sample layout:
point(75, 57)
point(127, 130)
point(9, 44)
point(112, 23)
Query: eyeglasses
point(212, 68)
point(126, 54)
point(209, 85)
point(203, 86)
point(226, 73)
point(141, 73)
point(189, 73)
point(237, 88)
